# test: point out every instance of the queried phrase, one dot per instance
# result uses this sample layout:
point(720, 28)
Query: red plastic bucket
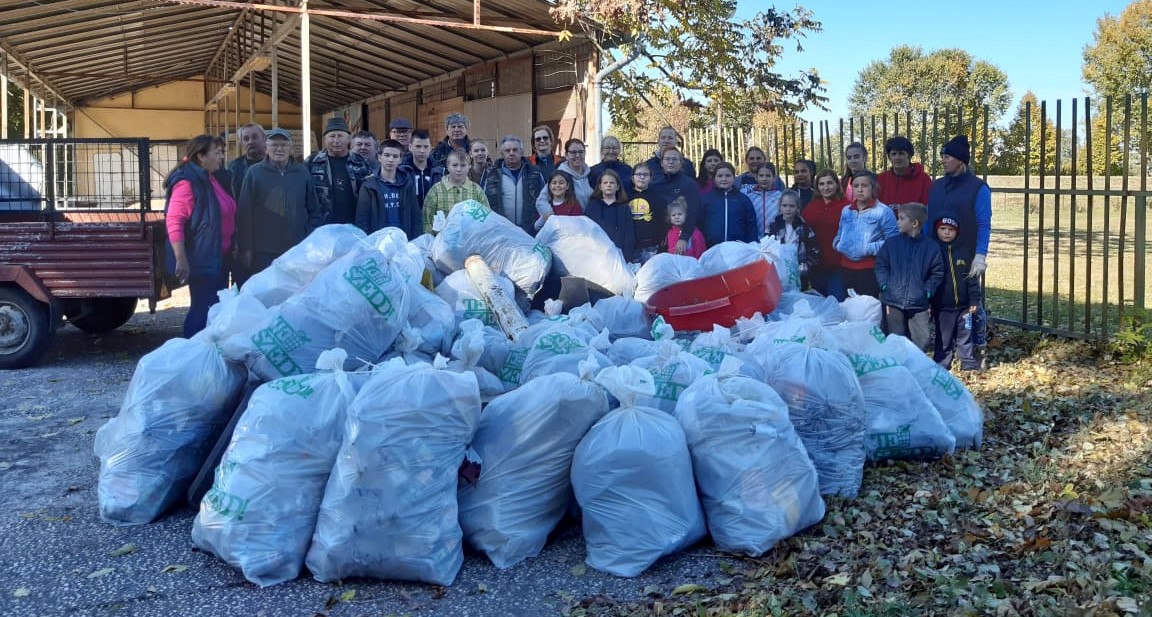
point(720, 299)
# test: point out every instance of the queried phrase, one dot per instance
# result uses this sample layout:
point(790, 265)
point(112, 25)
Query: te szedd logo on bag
point(369, 280)
point(291, 386)
point(226, 504)
point(277, 342)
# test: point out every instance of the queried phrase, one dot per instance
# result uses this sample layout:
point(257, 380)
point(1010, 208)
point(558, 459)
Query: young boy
point(453, 189)
point(954, 306)
point(388, 198)
point(909, 270)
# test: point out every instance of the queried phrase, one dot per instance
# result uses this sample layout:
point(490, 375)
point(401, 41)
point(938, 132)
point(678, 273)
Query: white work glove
point(978, 267)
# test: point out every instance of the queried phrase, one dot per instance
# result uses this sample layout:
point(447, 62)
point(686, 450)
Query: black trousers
point(915, 325)
point(954, 337)
point(863, 281)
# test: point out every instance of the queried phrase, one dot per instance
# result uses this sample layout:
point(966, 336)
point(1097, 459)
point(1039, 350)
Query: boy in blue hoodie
point(728, 213)
point(909, 270)
point(388, 198)
point(955, 304)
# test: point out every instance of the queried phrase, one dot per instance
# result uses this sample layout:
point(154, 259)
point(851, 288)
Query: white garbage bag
point(389, 509)
point(957, 407)
point(810, 304)
point(673, 370)
point(826, 406)
point(665, 269)
point(359, 303)
point(435, 319)
point(755, 479)
point(458, 291)
point(179, 400)
point(559, 348)
point(717, 346)
point(407, 347)
point(628, 350)
point(235, 313)
point(261, 512)
point(858, 307)
point(393, 243)
point(581, 248)
point(729, 256)
point(526, 441)
point(632, 476)
point(624, 317)
point(293, 270)
point(474, 229)
point(468, 352)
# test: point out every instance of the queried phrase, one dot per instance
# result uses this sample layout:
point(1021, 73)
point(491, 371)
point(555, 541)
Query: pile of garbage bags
point(390, 427)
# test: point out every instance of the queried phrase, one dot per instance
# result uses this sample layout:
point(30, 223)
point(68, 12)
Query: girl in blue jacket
point(728, 213)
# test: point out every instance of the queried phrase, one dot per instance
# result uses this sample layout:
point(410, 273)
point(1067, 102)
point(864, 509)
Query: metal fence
point(50, 175)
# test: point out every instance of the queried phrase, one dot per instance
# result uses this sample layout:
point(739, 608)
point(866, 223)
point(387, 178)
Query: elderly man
point(610, 159)
point(337, 173)
point(400, 129)
point(513, 184)
point(456, 127)
point(253, 142)
point(364, 144)
point(276, 208)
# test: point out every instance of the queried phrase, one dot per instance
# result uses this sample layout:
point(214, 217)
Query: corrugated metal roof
point(87, 49)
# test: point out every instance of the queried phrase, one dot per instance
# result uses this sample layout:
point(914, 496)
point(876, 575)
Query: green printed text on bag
point(478, 309)
point(300, 387)
point(513, 365)
point(277, 342)
point(225, 503)
point(864, 363)
point(369, 279)
point(666, 388)
point(948, 384)
point(899, 445)
point(558, 343)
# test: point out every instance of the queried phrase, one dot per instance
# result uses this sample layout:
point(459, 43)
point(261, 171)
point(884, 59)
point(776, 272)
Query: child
point(388, 198)
point(955, 304)
point(649, 213)
point(909, 270)
point(712, 158)
point(790, 228)
point(562, 197)
point(765, 197)
point(608, 206)
point(453, 189)
point(728, 213)
point(677, 214)
point(864, 226)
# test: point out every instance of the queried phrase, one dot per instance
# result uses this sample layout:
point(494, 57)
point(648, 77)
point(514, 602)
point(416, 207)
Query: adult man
point(904, 182)
point(276, 207)
point(677, 182)
point(400, 129)
point(337, 173)
point(803, 171)
point(543, 156)
point(254, 143)
point(962, 196)
point(610, 159)
point(364, 144)
point(456, 127)
point(418, 165)
point(668, 138)
point(513, 184)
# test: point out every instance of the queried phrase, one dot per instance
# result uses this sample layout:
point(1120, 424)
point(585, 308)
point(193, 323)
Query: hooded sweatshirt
point(616, 221)
point(911, 187)
point(389, 203)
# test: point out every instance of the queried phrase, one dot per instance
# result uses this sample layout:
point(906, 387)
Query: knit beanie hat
point(949, 221)
point(958, 148)
point(336, 124)
point(898, 142)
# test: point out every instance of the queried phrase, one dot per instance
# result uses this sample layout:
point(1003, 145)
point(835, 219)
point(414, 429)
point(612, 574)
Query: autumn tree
point(696, 47)
point(1029, 135)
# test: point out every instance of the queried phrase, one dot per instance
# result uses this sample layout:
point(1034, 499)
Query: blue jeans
point(827, 280)
point(202, 288)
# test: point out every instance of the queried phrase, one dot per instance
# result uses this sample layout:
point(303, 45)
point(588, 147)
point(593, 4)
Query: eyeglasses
point(542, 138)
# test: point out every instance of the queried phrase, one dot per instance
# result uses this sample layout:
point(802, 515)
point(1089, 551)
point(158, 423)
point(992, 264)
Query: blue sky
point(1038, 44)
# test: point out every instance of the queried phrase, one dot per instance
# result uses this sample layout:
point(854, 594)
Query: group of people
point(859, 231)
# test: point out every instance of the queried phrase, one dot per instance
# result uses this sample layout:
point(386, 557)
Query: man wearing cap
point(904, 182)
point(253, 141)
point(276, 207)
point(456, 127)
point(337, 173)
point(400, 129)
point(961, 195)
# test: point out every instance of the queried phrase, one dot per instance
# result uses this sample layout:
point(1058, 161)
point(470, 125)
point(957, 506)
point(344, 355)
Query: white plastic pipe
point(593, 144)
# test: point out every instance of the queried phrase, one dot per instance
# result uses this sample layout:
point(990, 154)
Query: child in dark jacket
point(909, 270)
point(608, 206)
point(790, 228)
point(728, 213)
point(389, 197)
point(954, 305)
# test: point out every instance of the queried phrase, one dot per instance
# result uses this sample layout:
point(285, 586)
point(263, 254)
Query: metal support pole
point(275, 88)
point(305, 80)
point(1140, 253)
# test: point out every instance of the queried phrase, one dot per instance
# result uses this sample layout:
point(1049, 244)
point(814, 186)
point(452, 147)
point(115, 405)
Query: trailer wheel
point(100, 315)
point(25, 331)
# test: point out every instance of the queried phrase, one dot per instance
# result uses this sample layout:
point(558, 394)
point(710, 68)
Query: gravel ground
point(54, 550)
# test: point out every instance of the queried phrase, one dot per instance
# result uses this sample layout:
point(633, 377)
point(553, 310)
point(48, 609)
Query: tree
point(1022, 146)
point(15, 112)
point(1119, 60)
point(696, 47)
point(665, 108)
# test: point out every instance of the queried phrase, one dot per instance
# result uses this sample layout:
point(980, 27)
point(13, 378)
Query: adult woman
point(480, 161)
point(574, 166)
point(610, 159)
point(542, 157)
point(708, 164)
point(665, 139)
point(201, 219)
point(823, 216)
point(855, 162)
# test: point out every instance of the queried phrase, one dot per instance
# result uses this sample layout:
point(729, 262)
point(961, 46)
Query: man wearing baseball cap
point(337, 173)
point(400, 129)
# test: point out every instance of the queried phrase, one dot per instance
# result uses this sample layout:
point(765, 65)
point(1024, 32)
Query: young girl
point(790, 228)
point(609, 208)
point(677, 214)
point(563, 195)
point(864, 226)
point(728, 213)
point(823, 216)
point(453, 189)
point(855, 162)
point(712, 158)
point(765, 197)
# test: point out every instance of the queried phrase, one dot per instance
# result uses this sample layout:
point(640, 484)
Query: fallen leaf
point(687, 589)
point(481, 588)
point(23, 592)
point(102, 572)
point(840, 580)
point(127, 549)
point(348, 596)
point(579, 569)
point(652, 590)
point(174, 569)
point(1128, 605)
point(77, 420)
